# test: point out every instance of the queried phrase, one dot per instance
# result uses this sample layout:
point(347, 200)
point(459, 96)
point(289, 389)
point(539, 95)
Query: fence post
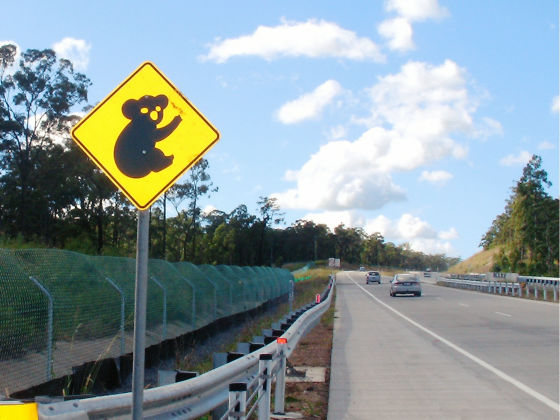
point(122, 311)
point(279, 392)
point(164, 332)
point(49, 326)
point(265, 381)
point(237, 401)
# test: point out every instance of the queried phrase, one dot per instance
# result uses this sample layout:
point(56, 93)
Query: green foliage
point(527, 231)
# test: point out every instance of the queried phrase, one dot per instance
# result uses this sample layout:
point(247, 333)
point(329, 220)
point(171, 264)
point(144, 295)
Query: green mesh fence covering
point(60, 309)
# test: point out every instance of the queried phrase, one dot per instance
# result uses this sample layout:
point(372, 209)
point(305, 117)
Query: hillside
point(481, 262)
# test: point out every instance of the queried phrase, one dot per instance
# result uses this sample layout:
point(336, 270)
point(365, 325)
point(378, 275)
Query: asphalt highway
point(449, 354)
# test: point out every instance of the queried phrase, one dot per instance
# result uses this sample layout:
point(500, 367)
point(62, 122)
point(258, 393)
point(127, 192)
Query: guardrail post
point(555, 293)
point(279, 392)
point(122, 311)
point(49, 326)
point(265, 381)
point(536, 291)
point(164, 289)
point(527, 290)
point(237, 401)
point(544, 291)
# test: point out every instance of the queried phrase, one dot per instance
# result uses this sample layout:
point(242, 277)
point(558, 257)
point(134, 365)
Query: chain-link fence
point(60, 309)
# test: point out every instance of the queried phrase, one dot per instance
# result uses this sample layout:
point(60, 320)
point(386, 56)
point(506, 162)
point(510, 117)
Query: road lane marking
point(501, 313)
point(464, 305)
point(528, 390)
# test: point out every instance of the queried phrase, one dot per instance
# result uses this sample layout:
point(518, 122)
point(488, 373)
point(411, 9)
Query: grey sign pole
point(141, 294)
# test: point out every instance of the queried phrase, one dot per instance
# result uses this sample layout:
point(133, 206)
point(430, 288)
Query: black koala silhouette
point(135, 151)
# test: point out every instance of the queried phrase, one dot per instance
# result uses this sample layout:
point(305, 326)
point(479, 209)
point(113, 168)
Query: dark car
point(373, 277)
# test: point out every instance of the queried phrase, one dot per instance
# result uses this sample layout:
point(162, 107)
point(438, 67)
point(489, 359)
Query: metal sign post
point(141, 294)
point(120, 135)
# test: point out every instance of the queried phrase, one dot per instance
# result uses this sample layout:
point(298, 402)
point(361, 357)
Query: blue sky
point(411, 118)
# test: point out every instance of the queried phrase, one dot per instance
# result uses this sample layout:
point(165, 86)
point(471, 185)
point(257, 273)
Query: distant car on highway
point(427, 274)
point(362, 269)
point(373, 277)
point(405, 284)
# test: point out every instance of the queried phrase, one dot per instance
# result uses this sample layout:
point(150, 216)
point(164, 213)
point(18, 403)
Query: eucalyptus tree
point(37, 95)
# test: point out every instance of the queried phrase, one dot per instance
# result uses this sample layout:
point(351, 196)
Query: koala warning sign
point(145, 135)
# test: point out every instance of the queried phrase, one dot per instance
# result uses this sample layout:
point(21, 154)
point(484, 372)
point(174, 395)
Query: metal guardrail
point(232, 382)
point(539, 290)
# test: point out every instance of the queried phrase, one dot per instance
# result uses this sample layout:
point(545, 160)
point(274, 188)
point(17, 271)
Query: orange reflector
point(318, 299)
point(282, 340)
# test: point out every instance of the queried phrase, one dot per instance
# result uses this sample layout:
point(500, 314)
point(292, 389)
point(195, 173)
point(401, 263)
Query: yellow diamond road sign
point(145, 135)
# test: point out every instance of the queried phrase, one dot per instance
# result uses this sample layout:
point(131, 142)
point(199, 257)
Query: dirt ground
point(311, 398)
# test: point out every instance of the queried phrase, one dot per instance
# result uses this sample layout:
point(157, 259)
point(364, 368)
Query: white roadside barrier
point(542, 290)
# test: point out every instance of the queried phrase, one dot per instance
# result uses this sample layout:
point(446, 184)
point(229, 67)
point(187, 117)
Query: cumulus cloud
point(436, 177)
point(341, 175)
point(313, 38)
point(398, 31)
point(75, 50)
point(413, 114)
point(408, 228)
point(520, 159)
point(417, 232)
point(333, 219)
point(309, 105)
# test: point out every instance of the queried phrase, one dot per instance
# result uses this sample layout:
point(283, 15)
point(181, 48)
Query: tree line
point(526, 233)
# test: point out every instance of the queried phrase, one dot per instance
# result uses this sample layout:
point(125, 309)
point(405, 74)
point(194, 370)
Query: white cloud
point(309, 105)
point(341, 175)
point(555, 107)
point(546, 145)
point(448, 234)
point(436, 177)
point(209, 208)
point(313, 38)
point(417, 10)
point(520, 159)
point(417, 232)
point(398, 31)
point(75, 50)
point(334, 218)
point(413, 114)
point(408, 228)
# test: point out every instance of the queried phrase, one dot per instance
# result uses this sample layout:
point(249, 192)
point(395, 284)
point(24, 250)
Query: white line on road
point(530, 391)
point(464, 304)
point(501, 313)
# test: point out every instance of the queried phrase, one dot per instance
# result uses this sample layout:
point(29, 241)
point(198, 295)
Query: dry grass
point(481, 262)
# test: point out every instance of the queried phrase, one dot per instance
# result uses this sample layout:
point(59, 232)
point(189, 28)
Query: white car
point(405, 284)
